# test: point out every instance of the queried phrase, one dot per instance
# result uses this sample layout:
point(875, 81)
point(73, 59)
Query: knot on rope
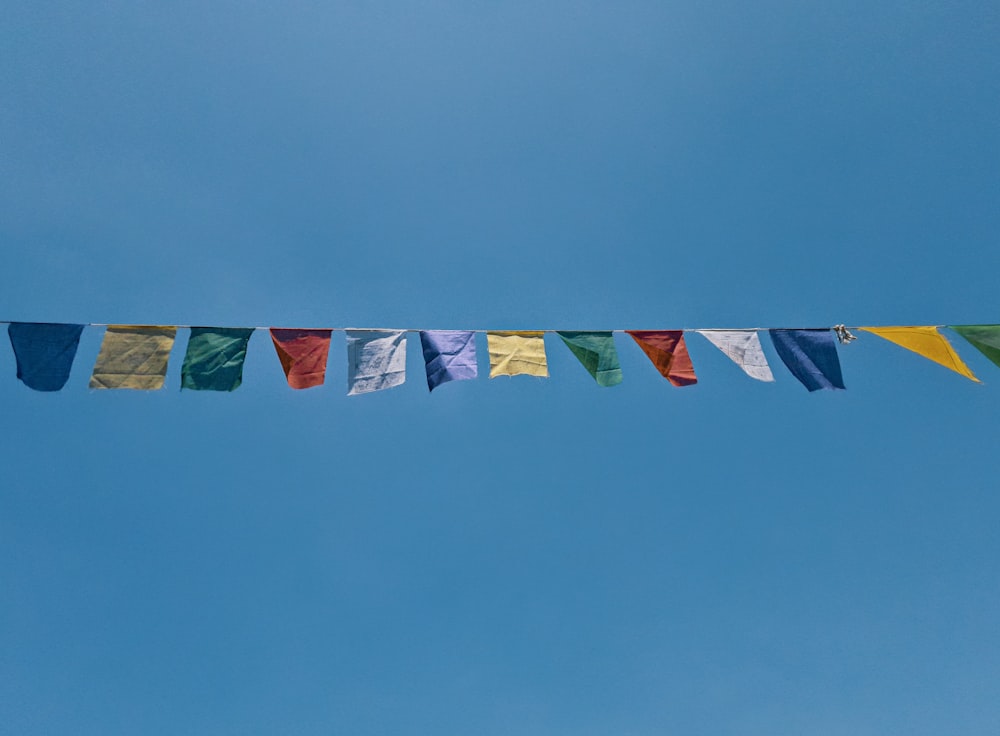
point(843, 334)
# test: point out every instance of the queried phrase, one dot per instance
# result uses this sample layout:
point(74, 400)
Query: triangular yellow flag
point(925, 341)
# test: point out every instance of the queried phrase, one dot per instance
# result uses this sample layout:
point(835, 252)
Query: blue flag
point(811, 356)
point(44, 353)
point(449, 355)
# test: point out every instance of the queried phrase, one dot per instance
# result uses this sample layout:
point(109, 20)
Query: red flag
point(303, 355)
point(669, 354)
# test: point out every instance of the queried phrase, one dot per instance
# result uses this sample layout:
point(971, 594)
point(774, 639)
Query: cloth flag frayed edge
point(517, 353)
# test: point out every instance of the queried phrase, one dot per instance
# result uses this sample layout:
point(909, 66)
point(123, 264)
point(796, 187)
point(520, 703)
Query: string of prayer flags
point(214, 358)
point(744, 349)
point(668, 352)
point(925, 341)
point(136, 356)
point(517, 353)
point(597, 353)
point(44, 353)
point(376, 360)
point(449, 355)
point(985, 338)
point(303, 355)
point(811, 356)
point(133, 356)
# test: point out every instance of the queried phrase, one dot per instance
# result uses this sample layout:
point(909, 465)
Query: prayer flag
point(811, 356)
point(303, 355)
point(985, 338)
point(668, 352)
point(214, 358)
point(133, 356)
point(449, 355)
point(376, 360)
point(743, 348)
point(925, 341)
point(596, 351)
point(517, 353)
point(44, 353)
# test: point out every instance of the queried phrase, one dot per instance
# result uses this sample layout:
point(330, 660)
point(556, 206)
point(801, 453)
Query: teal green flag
point(214, 359)
point(596, 350)
point(985, 338)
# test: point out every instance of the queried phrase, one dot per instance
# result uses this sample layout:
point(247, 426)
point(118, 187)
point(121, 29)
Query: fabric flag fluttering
point(597, 353)
point(925, 341)
point(303, 355)
point(133, 356)
point(214, 358)
point(376, 360)
point(668, 352)
point(44, 353)
point(136, 356)
point(985, 338)
point(744, 349)
point(811, 356)
point(449, 355)
point(517, 353)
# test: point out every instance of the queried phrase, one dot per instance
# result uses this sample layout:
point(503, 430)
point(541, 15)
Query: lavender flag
point(450, 355)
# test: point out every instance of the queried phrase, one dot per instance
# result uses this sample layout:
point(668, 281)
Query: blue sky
point(516, 556)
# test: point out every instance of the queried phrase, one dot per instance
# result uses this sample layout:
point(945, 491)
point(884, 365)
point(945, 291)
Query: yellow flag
point(925, 341)
point(517, 353)
point(133, 356)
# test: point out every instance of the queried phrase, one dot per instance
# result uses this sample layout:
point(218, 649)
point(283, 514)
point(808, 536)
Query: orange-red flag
point(303, 355)
point(667, 350)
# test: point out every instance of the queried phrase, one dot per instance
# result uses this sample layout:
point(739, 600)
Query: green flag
point(214, 359)
point(596, 350)
point(985, 338)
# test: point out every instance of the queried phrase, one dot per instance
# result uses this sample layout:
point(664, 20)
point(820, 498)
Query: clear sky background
point(515, 556)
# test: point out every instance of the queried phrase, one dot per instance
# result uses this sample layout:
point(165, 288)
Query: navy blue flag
point(44, 353)
point(811, 356)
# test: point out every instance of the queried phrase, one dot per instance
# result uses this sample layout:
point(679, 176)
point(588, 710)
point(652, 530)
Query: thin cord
point(481, 331)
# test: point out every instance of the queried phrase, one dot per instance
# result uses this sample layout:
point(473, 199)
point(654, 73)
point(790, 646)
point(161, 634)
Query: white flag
point(376, 359)
point(743, 348)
